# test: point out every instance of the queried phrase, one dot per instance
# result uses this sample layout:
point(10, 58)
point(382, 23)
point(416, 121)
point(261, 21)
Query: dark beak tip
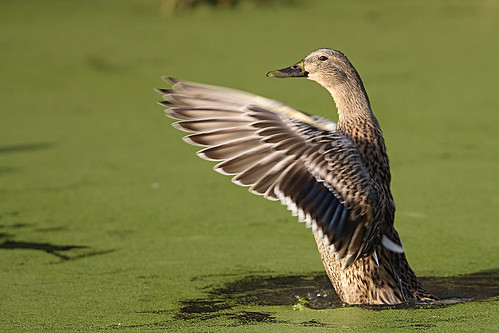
point(297, 70)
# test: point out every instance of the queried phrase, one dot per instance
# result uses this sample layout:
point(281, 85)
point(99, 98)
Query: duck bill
point(297, 70)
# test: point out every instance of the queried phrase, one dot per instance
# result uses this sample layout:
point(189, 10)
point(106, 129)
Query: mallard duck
point(334, 177)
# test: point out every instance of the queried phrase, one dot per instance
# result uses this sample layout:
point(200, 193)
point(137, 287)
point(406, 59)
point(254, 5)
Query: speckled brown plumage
point(336, 178)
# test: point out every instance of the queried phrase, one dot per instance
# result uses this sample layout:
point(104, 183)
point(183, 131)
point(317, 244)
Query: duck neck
point(350, 97)
point(356, 119)
point(358, 123)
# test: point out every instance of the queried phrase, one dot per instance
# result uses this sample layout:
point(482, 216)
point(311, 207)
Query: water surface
point(109, 222)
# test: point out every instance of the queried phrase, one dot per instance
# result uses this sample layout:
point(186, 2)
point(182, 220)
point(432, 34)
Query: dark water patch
point(25, 147)
point(6, 169)
point(51, 229)
point(52, 249)
point(426, 323)
point(87, 254)
point(45, 247)
point(204, 311)
point(416, 326)
point(252, 317)
point(63, 252)
point(5, 235)
point(314, 291)
point(201, 309)
point(280, 290)
point(313, 323)
point(15, 225)
point(476, 286)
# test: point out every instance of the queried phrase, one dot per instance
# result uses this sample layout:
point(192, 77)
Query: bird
point(335, 177)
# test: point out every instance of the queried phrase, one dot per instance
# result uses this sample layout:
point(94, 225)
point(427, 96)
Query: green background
point(108, 221)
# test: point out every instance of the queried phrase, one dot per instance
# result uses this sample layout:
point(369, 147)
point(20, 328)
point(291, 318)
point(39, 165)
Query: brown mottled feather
point(334, 178)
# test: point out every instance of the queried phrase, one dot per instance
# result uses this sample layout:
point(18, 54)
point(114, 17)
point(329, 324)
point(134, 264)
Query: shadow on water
point(313, 291)
point(63, 252)
point(25, 147)
point(45, 247)
point(21, 148)
point(52, 249)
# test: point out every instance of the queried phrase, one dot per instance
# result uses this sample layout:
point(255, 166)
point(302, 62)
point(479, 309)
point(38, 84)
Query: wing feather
point(282, 154)
point(188, 113)
point(205, 125)
point(241, 162)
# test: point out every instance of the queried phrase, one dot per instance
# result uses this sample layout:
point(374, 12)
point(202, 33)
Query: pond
point(109, 221)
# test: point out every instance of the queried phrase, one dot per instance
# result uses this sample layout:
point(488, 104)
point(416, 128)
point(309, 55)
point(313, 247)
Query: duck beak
point(297, 70)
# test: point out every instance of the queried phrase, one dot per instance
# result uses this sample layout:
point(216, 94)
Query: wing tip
point(177, 125)
point(163, 91)
point(189, 139)
point(221, 171)
point(236, 181)
point(203, 156)
point(165, 103)
point(170, 79)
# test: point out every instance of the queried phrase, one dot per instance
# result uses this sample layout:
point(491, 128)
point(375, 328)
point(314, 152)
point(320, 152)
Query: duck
point(335, 177)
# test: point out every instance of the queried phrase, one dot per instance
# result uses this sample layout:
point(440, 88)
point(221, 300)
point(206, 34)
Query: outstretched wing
point(282, 154)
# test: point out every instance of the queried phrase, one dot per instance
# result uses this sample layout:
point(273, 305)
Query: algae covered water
point(108, 221)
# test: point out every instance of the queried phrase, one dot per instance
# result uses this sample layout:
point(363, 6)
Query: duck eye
point(322, 58)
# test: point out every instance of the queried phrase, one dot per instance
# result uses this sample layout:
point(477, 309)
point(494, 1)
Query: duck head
point(332, 70)
point(322, 65)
